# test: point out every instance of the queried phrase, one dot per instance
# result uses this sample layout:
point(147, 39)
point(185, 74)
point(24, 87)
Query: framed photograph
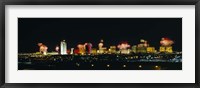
point(74, 43)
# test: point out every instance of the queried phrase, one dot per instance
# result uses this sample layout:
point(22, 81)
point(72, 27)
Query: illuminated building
point(167, 49)
point(112, 49)
point(76, 51)
point(81, 49)
point(144, 43)
point(42, 48)
point(166, 42)
point(150, 49)
point(72, 51)
point(63, 47)
point(142, 47)
point(162, 49)
point(57, 49)
point(134, 49)
point(88, 47)
point(68, 51)
point(123, 48)
point(166, 45)
point(125, 51)
point(100, 44)
point(101, 48)
point(94, 51)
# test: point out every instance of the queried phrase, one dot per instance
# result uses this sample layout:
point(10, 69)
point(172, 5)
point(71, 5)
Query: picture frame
point(99, 2)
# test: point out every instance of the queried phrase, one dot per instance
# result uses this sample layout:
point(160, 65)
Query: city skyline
point(142, 47)
point(111, 30)
point(99, 43)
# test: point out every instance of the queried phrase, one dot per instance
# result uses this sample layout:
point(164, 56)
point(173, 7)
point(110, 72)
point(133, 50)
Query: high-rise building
point(166, 45)
point(43, 48)
point(102, 49)
point(72, 51)
point(88, 47)
point(142, 47)
point(100, 44)
point(81, 49)
point(123, 48)
point(63, 47)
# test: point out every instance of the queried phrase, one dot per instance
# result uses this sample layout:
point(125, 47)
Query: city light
point(166, 42)
point(57, 48)
point(140, 66)
point(122, 48)
point(124, 66)
point(108, 65)
point(100, 44)
point(87, 56)
point(63, 47)
point(42, 48)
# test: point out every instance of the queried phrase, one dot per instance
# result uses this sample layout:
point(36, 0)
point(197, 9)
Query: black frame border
point(99, 2)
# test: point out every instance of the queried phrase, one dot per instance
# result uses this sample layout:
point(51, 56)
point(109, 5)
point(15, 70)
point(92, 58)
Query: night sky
point(50, 31)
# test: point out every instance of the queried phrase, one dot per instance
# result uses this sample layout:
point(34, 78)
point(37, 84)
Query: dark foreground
point(103, 62)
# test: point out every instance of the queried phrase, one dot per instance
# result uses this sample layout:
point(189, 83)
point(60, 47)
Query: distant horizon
point(50, 31)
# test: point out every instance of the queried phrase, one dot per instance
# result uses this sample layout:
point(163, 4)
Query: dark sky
point(51, 31)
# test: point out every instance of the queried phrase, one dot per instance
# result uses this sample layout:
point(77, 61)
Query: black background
point(51, 31)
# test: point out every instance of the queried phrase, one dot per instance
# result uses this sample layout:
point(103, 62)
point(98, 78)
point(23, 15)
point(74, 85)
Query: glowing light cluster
point(143, 43)
point(42, 48)
point(123, 45)
point(57, 48)
point(166, 42)
point(81, 48)
point(101, 44)
point(63, 47)
point(88, 47)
